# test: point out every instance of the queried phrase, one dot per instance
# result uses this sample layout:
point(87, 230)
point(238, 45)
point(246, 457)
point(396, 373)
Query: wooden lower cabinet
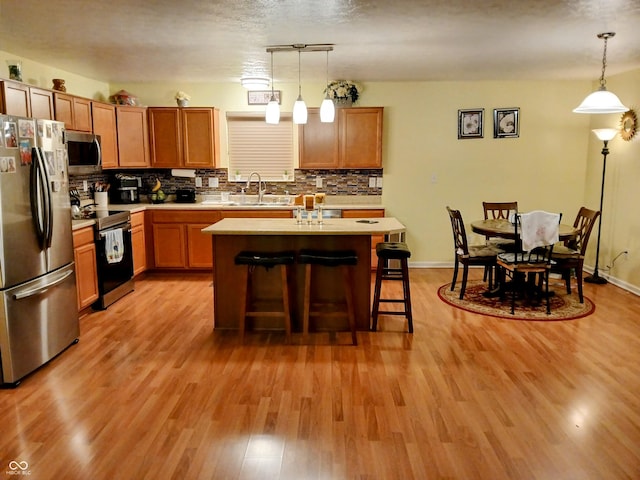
point(178, 242)
point(138, 243)
point(84, 253)
point(375, 239)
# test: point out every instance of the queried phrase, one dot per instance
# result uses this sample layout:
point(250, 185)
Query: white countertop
point(288, 226)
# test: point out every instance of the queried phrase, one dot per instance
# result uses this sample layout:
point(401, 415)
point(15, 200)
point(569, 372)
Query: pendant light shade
point(602, 101)
point(299, 108)
point(272, 115)
point(327, 108)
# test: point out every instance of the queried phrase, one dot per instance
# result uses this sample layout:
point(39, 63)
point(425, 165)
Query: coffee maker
point(125, 189)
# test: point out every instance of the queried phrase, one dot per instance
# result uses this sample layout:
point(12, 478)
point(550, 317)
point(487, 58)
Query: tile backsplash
point(334, 182)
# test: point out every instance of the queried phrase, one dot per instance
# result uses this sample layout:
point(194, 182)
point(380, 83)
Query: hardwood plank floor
point(152, 392)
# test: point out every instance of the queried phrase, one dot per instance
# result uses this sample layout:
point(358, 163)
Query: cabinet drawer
point(185, 216)
point(137, 219)
point(82, 237)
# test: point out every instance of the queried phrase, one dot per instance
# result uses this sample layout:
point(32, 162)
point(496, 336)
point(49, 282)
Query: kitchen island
point(232, 235)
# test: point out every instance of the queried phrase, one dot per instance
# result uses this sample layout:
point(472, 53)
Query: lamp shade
point(605, 134)
point(601, 101)
point(299, 111)
point(272, 114)
point(327, 110)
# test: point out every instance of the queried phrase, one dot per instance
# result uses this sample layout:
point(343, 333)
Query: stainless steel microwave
point(84, 153)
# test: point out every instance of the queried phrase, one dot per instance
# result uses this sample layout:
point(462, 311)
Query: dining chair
point(569, 255)
point(538, 233)
point(465, 254)
point(502, 211)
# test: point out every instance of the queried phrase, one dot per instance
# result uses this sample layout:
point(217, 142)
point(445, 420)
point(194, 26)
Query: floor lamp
point(604, 134)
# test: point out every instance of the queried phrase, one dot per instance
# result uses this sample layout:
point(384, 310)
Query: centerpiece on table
point(343, 92)
point(182, 98)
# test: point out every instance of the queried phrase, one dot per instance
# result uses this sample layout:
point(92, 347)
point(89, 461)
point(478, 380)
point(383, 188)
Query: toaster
point(185, 195)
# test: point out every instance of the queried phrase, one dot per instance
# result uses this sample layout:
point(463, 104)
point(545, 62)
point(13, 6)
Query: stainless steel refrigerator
point(38, 309)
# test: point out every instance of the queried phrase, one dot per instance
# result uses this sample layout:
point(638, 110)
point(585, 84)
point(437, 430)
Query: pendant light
point(299, 108)
point(327, 108)
point(602, 101)
point(272, 115)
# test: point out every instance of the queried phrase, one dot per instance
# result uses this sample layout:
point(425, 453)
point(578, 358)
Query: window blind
point(256, 146)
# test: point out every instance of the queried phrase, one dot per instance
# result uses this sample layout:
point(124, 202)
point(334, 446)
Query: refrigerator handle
point(36, 208)
point(43, 288)
point(47, 204)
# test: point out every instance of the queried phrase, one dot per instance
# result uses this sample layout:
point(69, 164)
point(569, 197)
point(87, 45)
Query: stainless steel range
point(114, 256)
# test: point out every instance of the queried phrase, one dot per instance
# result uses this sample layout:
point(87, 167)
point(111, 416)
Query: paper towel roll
point(183, 172)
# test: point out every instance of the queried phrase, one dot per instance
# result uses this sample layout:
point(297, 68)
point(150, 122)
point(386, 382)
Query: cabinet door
point(200, 249)
point(133, 139)
point(15, 99)
point(360, 137)
point(199, 137)
point(41, 103)
point(82, 114)
point(63, 104)
point(104, 124)
point(169, 247)
point(84, 254)
point(139, 250)
point(165, 137)
point(318, 142)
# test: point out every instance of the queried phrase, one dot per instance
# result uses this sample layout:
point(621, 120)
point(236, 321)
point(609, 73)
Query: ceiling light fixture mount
point(254, 83)
point(602, 101)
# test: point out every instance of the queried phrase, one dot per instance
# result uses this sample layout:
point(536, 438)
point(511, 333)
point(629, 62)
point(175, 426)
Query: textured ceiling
point(403, 40)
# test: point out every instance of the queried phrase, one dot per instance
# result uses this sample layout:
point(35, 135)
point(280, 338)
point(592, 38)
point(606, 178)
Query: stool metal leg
point(376, 293)
point(407, 293)
point(245, 302)
point(284, 278)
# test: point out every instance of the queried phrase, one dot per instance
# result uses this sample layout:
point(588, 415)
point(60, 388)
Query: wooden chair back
point(499, 209)
point(460, 242)
point(585, 220)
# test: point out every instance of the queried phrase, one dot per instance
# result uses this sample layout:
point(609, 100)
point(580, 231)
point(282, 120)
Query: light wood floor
point(152, 392)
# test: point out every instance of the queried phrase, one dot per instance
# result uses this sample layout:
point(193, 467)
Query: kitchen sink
point(249, 201)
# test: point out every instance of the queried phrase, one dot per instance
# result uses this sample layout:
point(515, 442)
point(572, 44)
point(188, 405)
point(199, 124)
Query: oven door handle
point(125, 229)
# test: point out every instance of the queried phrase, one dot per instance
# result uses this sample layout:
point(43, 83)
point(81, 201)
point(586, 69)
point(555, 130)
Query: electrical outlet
point(318, 182)
point(85, 185)
point(379, 182)
point(213, 182)
point(372, 182)
point(198, 181)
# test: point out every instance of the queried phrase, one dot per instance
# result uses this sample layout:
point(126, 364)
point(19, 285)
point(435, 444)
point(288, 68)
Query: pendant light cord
point(272, 92)
point(299, 84)
point(604, 62)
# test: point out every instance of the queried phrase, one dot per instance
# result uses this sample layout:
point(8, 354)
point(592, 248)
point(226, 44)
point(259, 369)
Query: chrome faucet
point(262, 187)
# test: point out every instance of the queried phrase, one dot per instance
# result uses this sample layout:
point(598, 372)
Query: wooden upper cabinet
point(41, 103)
point(318, 142)
point(361, 137)
point(74, 111)
point(15, 99)
point(165, 140)
point(104, 124)
point(133, 136)
point(200, 137)
point(184, 137)
point(353, 140)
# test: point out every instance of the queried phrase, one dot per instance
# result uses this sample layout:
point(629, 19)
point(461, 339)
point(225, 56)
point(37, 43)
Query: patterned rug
point(563, 306)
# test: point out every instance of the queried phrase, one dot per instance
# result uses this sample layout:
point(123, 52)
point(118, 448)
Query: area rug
point(563, 306)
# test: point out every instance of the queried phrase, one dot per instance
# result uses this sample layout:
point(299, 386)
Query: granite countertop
point(289, 226)
point(331, 202)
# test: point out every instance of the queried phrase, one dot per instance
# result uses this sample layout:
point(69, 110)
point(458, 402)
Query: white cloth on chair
point(114, 245)
point(539, 228)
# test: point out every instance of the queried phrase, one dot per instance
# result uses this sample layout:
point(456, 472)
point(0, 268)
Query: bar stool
point(392, 251)
point(344, 259)
point(267, 260)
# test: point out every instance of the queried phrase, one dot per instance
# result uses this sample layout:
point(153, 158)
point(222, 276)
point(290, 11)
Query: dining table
point(503, 228)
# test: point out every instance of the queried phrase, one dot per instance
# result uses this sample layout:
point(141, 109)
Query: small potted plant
point(182, 98)
point(343, 92)
point(285, 175)
point(238, 176)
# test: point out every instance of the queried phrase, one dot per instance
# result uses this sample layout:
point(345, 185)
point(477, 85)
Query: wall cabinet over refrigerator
point(353, 140)
point(19, 99)
point(184, 137)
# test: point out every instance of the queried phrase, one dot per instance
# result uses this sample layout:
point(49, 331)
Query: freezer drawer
point(39, 320)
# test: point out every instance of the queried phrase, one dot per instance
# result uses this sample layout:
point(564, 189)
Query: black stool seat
point(253, 259)
point(393, 250)
point(344, 260)
point(397, 251)
point(328, 258)
point(264, 259)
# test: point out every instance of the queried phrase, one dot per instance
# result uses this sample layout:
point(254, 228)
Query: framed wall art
point(261, 97)
point(506, 122)
point(470, 123)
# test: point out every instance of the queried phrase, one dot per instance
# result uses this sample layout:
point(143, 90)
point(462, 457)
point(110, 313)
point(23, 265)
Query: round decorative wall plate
point(628, 125)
